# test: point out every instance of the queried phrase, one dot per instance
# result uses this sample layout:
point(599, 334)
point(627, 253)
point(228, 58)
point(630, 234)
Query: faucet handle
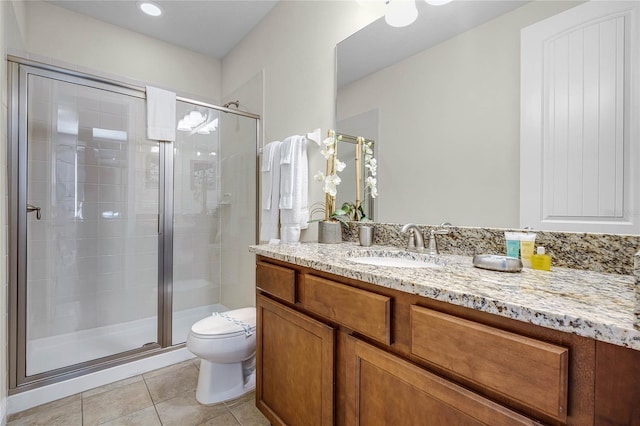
point(442, 229)
point(432, 248)
point(412, 241)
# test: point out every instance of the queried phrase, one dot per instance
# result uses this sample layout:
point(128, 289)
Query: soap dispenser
point(540, 260)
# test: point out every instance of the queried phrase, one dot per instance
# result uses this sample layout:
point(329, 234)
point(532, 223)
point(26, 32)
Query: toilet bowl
point(225, 342)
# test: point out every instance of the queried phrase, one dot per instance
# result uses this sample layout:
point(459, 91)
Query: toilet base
point(222, 382)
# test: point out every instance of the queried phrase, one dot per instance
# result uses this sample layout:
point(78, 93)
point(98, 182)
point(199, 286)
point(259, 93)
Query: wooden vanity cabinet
point(385, 389)
point(528, 370)
point(295, 366)
point(333, 350)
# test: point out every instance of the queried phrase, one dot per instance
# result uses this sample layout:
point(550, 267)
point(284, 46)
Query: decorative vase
point(329, 232)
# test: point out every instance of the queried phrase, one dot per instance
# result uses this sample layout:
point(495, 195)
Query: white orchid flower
point(318, 177)
point(330, 184)
point(327, 151)
point(374, 192)
point(328, 141)
point(372, 168)
point(334, 179)
point(340, 166)
point(371, 181)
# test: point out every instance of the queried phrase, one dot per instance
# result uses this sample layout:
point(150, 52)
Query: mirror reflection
point(445, 112)
point(354, 188)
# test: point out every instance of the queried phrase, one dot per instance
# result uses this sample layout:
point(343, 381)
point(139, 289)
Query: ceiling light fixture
point(400, 13)
point(437, 2)
point(150, 8)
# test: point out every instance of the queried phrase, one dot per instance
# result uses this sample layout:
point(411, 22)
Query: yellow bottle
point(540, 260)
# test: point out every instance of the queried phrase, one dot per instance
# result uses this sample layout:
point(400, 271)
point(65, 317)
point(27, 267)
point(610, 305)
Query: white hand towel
point(287, 172)
point(161, 114)
point(270, 164)
point(289, 234)
point(270, 188)
point(286, 155)
point(294, 189)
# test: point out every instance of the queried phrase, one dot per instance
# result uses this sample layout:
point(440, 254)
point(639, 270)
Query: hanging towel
point(161, 114)
point(294, 188)
point(270, 189)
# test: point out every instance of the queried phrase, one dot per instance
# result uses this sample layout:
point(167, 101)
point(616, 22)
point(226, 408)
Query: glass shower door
point(92, 212)
point(196, 219)
point(214, 214)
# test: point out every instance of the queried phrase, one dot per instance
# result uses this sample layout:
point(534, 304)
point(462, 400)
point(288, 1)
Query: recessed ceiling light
point(400, 13)
point(150, 8)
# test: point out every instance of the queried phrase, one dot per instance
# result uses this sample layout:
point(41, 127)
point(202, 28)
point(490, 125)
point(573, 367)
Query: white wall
point(86, 44)
point(294, 46)
point(449, 126)
point(15, 25)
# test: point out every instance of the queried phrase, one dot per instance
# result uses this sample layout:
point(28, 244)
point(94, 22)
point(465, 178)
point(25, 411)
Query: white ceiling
point(211, 27)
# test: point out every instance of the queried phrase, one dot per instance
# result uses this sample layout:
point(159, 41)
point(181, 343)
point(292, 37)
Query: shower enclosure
point(118, 243)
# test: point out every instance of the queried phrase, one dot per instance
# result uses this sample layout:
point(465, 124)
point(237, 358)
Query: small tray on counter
point(495, 262)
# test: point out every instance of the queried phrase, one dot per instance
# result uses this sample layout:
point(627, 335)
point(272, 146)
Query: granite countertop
point(590, 304)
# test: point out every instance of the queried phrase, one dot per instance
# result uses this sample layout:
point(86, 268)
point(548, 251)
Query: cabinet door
point(295, 366)
point(387, 390)
point(527, 370)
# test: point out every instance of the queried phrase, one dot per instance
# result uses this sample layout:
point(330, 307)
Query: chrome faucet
point(416, 241)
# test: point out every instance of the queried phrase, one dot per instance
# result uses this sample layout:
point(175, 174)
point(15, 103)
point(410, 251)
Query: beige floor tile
point(196, 362)
point(173, 383)
point(111, 386)
point(146, 417)
point(166, 370)
point(184, 410)
point(69, 414)
point(248, 415)
point(45, 407)
point(113, 404)
point(226, 419)
point(251, 396)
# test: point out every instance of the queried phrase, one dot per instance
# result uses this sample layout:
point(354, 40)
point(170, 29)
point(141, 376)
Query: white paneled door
point(579, 120)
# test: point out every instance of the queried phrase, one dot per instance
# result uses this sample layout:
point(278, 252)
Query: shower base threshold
point(54, 352)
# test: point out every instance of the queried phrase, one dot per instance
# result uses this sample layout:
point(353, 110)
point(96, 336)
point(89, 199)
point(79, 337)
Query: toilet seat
point(221, 325)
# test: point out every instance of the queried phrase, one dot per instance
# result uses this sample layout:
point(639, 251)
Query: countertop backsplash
point(608, 253)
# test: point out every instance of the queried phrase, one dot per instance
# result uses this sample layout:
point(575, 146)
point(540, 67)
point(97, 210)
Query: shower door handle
point(31, 209)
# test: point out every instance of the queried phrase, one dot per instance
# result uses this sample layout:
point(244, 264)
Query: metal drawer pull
point(31, 209)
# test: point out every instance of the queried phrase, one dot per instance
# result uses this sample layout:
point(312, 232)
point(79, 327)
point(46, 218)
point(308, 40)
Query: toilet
point(225, 342)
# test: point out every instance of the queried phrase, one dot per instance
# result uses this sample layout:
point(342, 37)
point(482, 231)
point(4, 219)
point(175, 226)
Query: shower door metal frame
point(19, 69)
point(19, 73)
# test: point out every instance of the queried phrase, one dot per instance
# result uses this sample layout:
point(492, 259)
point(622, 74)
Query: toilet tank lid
point(229, 322)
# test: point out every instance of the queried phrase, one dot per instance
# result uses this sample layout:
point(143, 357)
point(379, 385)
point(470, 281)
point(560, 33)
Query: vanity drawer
point(360, 310)
point(277, 281)
point(530, 371)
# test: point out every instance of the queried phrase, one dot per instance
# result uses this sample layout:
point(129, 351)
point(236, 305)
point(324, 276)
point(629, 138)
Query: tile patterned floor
point(163, 397)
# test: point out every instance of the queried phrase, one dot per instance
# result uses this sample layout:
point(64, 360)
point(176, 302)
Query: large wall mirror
point(442, 98)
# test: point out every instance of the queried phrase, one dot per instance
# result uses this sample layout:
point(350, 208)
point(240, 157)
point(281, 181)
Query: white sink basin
point(397, 260)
